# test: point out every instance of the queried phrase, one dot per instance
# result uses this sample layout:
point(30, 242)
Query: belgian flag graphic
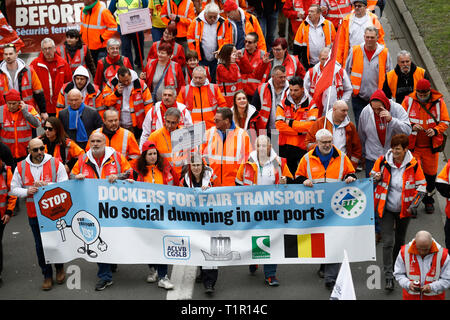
point(304, 245)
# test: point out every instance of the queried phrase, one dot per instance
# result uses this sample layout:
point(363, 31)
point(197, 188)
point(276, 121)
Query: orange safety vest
point(251, 24)
point(371, 4)
point(97, 27)
point(443, 177)
point(155, 118)
point(202, 102)
point(392, 79)
point(26, 79)
point(265, 96)
point(303, 117)
point(413, 178)
point(249, 81)
point(177, 55)
point(292, 65)
point(413, 271)
point(312, 168)
point(291, 9)
point(173, 76)
point(140, 100)
point(195, 34)
point(154, 175)
point(338, 10)
point(122, 141)
point(302, 35)
point(16, 131)
point(358, 67)
point(93, 97)
point(6, 202)
point(78, 58)
point(417, 115)
point(338, 81)
point(185, 11)
point(49, 174)
point(247, 173)
point(225, 157)
point(115, 164)
point(71, 151)
point(110, 69)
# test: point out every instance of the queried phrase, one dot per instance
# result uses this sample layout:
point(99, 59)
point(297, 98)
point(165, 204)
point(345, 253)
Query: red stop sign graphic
point(55, 203)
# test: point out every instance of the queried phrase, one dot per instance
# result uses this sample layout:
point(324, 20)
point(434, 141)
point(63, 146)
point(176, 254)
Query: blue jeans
point(130, 40)
point(47, 270)
point(269, 24)
point(270, 270)
point(358, 105)
point(104, 271)
point(161, 268)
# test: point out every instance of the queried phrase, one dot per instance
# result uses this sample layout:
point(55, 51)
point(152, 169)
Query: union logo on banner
point(348, 202)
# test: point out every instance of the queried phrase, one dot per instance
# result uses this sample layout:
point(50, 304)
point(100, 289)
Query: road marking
point(183, 278)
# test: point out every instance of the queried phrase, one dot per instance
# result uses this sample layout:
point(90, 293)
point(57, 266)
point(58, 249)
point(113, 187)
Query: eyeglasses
point(38, 149)
point(48, 128)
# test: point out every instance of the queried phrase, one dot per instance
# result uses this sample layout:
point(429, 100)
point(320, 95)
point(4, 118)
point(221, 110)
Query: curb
point(430, 66)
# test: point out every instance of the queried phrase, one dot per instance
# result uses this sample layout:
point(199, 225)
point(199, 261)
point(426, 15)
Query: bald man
point(78, 119)
point(421, 269)
point(37, 170)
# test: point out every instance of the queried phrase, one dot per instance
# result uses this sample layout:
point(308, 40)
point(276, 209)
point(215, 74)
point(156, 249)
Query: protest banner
point(34, 20)
point(139, 223)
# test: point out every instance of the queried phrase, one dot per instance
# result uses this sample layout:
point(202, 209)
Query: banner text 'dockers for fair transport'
point(132, 223)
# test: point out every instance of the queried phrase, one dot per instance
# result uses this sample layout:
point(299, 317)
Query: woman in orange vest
point(228, 74)
point(264, 167)
point(162, 73)
point(7, 204)
point(152, 168)
point(58, 144)
point(197, 174)
point(169, 36)
point(400, 186)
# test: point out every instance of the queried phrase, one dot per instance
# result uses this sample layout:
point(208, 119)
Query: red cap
point(230, 5)
point(423, 85)
point(379, 95)
point(148, 145)
point(12, 95)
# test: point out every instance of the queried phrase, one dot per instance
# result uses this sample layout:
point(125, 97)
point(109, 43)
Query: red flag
point(326, 77)
point(8, 35)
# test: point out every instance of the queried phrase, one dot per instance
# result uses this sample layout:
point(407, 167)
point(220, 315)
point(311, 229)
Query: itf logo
point(260, 247)
point(177, 247)
point(348, 202)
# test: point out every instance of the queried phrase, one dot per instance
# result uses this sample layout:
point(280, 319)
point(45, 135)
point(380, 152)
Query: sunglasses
point(48, 128)
point(38, 149)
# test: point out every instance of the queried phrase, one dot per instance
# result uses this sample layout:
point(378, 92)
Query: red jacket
point(52, 86)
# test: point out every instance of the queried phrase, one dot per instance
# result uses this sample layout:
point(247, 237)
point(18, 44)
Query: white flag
point(343, 289)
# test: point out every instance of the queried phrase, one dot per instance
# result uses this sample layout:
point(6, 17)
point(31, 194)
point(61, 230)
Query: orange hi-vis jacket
point(344, 37)
point(163, 142)
point(302, 35)
point(392, 79)
point(225, 157)
point(301, 118)
point(247, 174)
point(184, 11)
point(140, 99)
point(337, 10)
point(94, 97)
point(202, 102)
point(71, 151)
point(443, 177)
point(113, 163)
point(230, 79)
point(29, 82)
point(122, 141)
point(413, 182)
point(291, 9)
point(358, 67)
point(173, 75)
point(251, 24)
point(79, 59)
point(7, 202)
point(97, 27)
point(16, 130)
point(310, 167)
point(49, 174)
point(409, 254)
point(195, 34)
point(417, 115)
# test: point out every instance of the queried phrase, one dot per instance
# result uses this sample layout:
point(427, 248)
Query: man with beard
point(402, 80)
